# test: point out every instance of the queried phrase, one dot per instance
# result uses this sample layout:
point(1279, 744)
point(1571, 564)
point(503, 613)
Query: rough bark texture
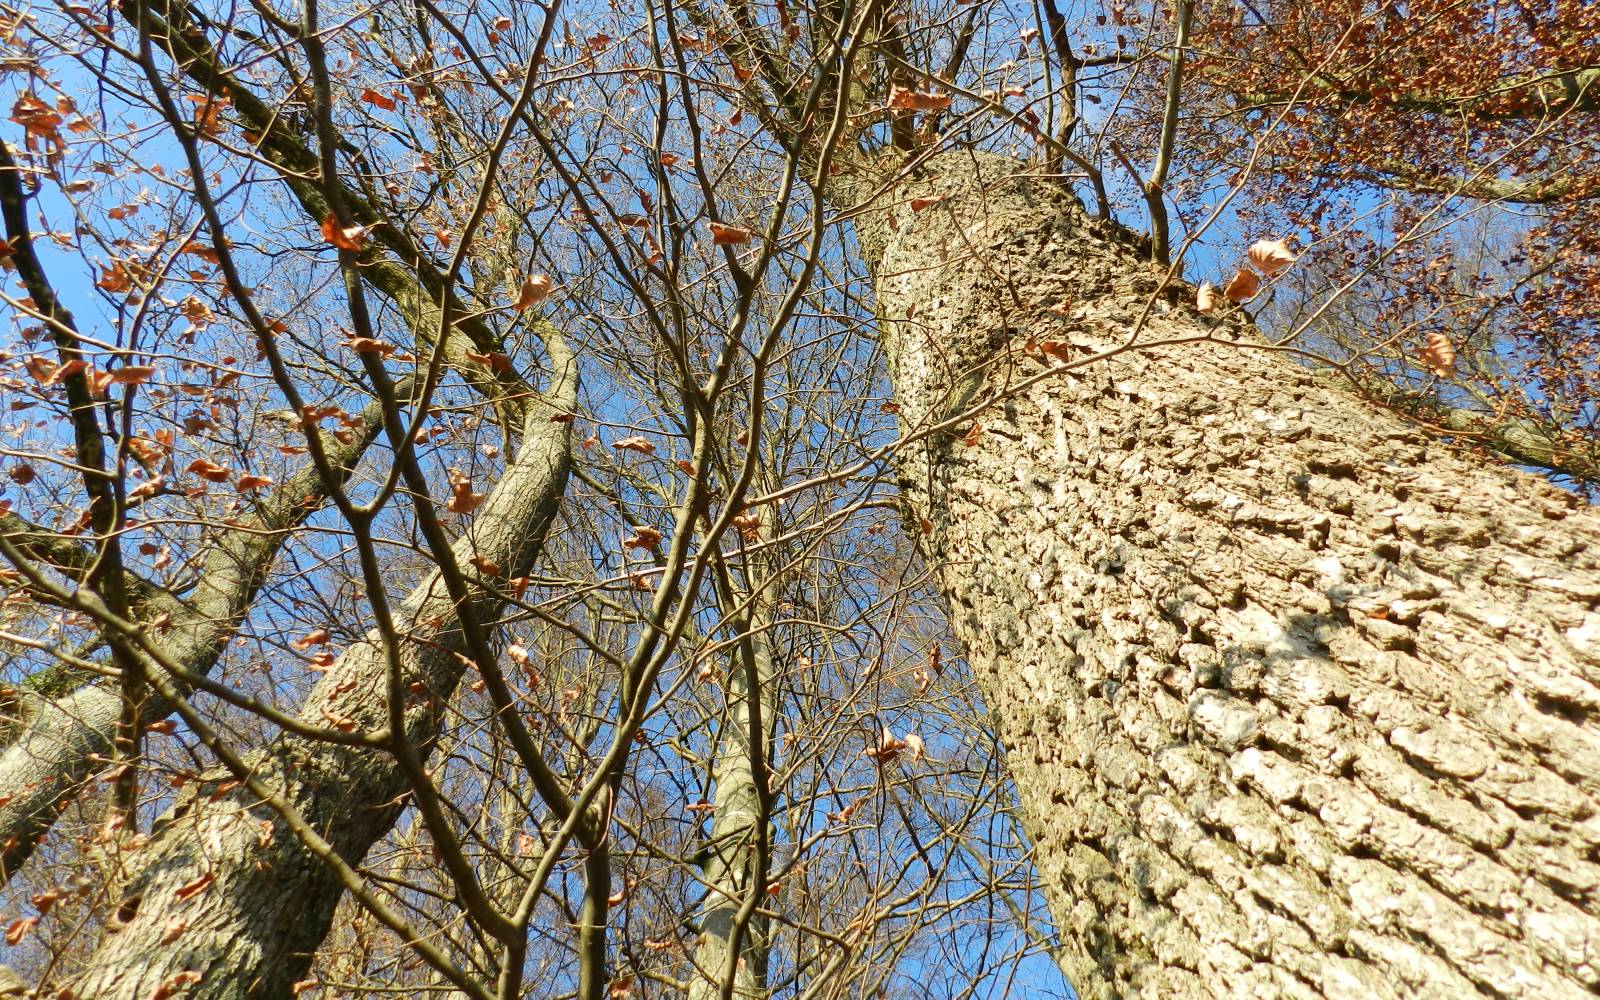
point(252, 930)
point(62, 741)
point(1297, 702)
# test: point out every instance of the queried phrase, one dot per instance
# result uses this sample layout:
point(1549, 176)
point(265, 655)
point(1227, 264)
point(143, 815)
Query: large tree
point(1295, 688)
point(1297, 701)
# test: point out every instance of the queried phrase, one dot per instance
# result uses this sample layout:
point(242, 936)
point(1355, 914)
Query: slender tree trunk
point(1297, 701)
point(729, 868)
point(251, 929)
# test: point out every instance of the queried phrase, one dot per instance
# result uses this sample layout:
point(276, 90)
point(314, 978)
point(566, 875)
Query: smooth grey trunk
point(252, 930)
point(1298, 701)
point(729, 865)
point(60, 742)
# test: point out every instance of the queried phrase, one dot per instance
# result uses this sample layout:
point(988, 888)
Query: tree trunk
point(730, 866)
point(250, 932)
point(61, 741)
point(1298, 701)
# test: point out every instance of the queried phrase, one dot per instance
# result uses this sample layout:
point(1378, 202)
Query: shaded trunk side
point(1297, 701)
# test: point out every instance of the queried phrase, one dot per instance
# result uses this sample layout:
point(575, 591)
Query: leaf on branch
point(350, 238)
point(644, 537)
point(343, 723)
point(493, 360)
point(132, 374)
point(1440, 355)
point(369, 345)
point(173, 930)
point(117, 280)
point(166, 990)
point(724, 236)
point(316, 637)
point(914, 746)
point(1243, 286)
point(535, 288)
point(377, 100)
point(485, 565)
point(1271, 256)
point(637, 442)
point(48, 373)
point(923, 204)
point(249, 483)
point(208, 470)
point(42, 901)
point(1205, 298)
point(889, 747)
point(462, 499)
point(906, 99)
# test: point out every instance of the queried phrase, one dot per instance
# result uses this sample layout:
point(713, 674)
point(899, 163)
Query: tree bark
point(1298, 701)
point(62, 741)
point(251, 930)
point(730, 869)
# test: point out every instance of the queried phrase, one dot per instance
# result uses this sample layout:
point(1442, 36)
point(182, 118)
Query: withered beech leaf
point(1271, 256)
point(722, 235)
point(1440, 355)
point(316, 637)
point(1243, 286)
point(535, 288)
point(636, 442)
point(906, 99)
point(462, 499)
point(351, 238)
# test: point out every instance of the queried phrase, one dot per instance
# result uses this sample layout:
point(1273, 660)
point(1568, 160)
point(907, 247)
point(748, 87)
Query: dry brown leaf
point(1440, 355)
point(723, 236)
point(535, 288)
point(195, 886)
point(350, 238)
point(462, 499)
point(906, 99)
point(637, 442)
point(208, 470)
point(132, 374)
point(316, 637)
point(644, 537)
point(1271, 257)
point(18, 929)
point(1243, 286)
